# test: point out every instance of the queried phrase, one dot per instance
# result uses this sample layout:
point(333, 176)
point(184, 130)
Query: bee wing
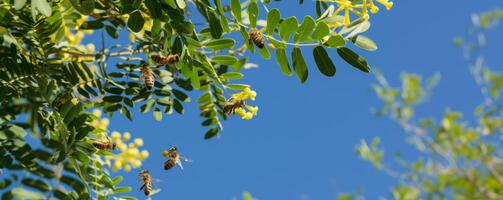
point(179, 163)
point(185, 159)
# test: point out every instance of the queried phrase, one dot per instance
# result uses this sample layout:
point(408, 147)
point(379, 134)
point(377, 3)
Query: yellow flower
point(138, 142)
point(97, 112)
point(358, 8)
point(116, 136)
point(127, 168)
point(144, 154)
point(126, 136)
point(90, 48)
point(75, 101)
point(253, 110)
point(130, 156)
point(246, 93)
point(386, 3)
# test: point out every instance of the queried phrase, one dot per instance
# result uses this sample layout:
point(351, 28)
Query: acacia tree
point(460, 158)
point(54, 88)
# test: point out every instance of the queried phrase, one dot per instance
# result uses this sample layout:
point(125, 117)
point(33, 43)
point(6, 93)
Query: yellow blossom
point(116, 135)
point(138, 142)
point(130, 156)
point(144, 154)
point(90, 48)
point(358, 8)
point(250, 111)
point(97, 112)
point(127, 168)
point(126, 136)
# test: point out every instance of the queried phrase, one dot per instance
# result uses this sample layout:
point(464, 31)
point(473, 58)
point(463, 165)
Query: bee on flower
point(236, 104)
point(130, 156)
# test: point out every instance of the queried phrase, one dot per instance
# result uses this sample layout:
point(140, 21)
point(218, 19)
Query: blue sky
point(301, 144)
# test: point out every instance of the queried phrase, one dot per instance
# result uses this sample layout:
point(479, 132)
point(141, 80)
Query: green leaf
point(85, 7)
point(122, 190)
point(325, 65)
point(157, 114)
point(42, 6)
point(236, 9)
point(112, 31)
point(181, 4)
point(334, 41)
point(135, 21)
point(36, 184)
point(364, 43)
point(273, 19)
point(305, 29)
point(215, 26)
point(180, 95)
point(287, 27)
point(353, 59)
point(264, 52)
point(220, 44)
point(211, 133)
point(155, 8)
point(320, 31)
point(232, 75)
point(18, 4)
point(253, 14)
point(224, 60)
point(218, 4)
point(282, 61)
point(237, 86)
point(113, 98)
point(21, 193)
point(299, 64)
point(5, 183)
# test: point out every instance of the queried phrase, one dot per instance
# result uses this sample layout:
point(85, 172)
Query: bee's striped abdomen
point(148, 77)
point(257, 38)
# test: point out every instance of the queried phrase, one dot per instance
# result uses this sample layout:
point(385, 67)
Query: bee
point(165, 60)
point(257, 38)
point(148, 76)
point(174, 158)
point(231, 105)
point(146, 179)
point(107, 145)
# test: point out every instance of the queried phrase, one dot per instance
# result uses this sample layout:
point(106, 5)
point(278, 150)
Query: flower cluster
point(100, 123)
point(246, 93)
point(130, 156)
point(359, 8)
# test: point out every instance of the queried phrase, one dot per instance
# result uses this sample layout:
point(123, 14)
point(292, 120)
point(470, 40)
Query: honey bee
point(146, 179)
point(107, 145)
point(174, 158)
point(257, 38)
point(148, 76)
point(231, 105)
point(165, 60)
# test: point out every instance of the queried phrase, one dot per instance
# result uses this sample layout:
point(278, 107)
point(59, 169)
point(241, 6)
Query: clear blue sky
point(301, 144)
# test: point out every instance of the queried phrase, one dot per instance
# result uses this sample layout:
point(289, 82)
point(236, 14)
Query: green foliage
point(52, 79)
point(460, 157)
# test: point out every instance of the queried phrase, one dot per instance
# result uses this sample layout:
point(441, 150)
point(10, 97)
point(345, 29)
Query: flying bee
point(107, 145)
point(146, 179)
point(165, 60)
point(174, 158)
point(231, 105)
point(257, 38)
point(148, 76)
